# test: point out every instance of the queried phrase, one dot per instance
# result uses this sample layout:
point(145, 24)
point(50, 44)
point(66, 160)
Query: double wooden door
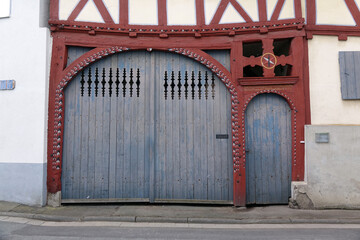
point(147, 126)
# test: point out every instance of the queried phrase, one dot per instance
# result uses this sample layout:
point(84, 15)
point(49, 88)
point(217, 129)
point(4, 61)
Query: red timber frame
point(189, 41)
point(341, 31)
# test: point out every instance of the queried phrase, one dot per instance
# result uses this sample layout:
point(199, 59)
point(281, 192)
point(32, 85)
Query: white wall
point(327, 106)
point(24, 57)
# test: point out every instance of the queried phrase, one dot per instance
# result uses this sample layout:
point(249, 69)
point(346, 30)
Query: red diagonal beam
point(103, 11)
point(353, 8)
point(276, 13)
point(219, 12)
point(241, 11)
point(77, 10)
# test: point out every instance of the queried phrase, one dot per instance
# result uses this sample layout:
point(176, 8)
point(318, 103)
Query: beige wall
point(144, 12)
point(327, 106)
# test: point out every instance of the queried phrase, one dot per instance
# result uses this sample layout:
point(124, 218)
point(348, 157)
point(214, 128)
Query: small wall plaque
point(7, 84)
point(222, 136)
point(322, 137)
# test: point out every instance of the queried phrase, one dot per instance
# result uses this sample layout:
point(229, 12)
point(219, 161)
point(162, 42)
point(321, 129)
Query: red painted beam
point(200, 12)
point(162, 13)
point(310, 12)
point(104, 11)
point(240, 10)
point(77, 10)
point(54, 10)
point(262, 10)
point(219, 12)
point(353, 8)
point(276, 13)
point(124, 12)
point(298, 9)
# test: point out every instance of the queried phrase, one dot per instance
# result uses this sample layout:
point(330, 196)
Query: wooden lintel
point(260, 81)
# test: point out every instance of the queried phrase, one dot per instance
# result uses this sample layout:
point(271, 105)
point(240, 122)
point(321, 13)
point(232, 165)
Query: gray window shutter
point(350, 75)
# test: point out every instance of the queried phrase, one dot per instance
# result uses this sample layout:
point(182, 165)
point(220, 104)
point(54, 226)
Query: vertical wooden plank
point(211, 134)
point(133, 131)
point(168, 169)
point(356, 79)
point(160, 126)
point(349, 75)
point(190, 140)
point(113, 130)
point(140, 64)
point(176, 132)
point(203, 139)
point(120, 152)
point(153, 86)
point(92, 144)
point(68, 141)
point(77, 142)
point(84, 146)
point(127, 170)
point(182, 134)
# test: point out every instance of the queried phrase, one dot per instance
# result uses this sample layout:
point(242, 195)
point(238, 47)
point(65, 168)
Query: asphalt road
point(17, 228)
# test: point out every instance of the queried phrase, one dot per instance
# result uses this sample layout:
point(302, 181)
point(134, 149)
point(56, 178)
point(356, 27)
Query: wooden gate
point(268, 150)
point(147, 126)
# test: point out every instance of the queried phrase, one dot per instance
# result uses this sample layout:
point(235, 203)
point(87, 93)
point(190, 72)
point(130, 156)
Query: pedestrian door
point(147, 126)
point(268, 150)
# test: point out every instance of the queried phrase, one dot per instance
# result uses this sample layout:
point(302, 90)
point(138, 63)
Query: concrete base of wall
point(54, 199)
point(332, 169)
point(23, 183)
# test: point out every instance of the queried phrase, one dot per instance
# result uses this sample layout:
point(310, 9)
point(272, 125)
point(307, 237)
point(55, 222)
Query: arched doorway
point(268, 150)
point(147, 126)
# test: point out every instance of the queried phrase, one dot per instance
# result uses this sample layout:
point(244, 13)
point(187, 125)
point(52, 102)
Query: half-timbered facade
point(201, 101)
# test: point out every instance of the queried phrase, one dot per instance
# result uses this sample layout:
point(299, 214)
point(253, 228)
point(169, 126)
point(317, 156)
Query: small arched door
point(268, 150)
point(147, 126)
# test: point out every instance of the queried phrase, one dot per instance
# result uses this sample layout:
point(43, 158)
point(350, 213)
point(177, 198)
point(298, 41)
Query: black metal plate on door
point(222, 136)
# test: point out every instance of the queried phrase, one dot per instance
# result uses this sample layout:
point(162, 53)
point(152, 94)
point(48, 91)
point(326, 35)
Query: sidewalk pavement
point(180, 214)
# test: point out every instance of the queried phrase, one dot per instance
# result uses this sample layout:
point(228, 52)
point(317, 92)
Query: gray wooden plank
point(153, 87)
point(77, 142)
point(84, 151)
point(113, 130)
point(356, 79)
point(176, 133)
point(120, 155)
point(211, 134)
point(68, 140)
point(92, 144)
point(190, 141)
point(219, 145)
point(182, 135)
point(203, 140)
point(75, 52)
point(127, 171)
point(133, 131)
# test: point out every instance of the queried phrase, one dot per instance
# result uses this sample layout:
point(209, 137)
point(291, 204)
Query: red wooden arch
point(56, 110)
